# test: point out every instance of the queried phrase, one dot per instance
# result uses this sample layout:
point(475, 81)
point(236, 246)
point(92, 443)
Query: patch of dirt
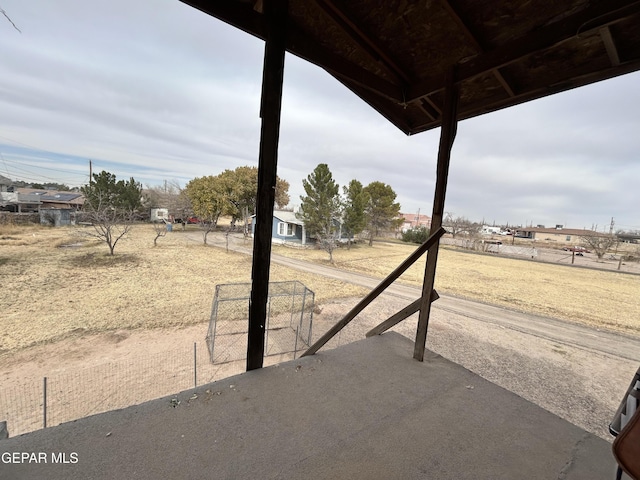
point(581, 386)
point(93, 259)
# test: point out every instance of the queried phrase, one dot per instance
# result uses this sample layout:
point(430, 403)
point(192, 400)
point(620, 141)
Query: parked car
point(576, 249)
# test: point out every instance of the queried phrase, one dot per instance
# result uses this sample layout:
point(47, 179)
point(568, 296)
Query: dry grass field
point(604, 299)
point(58, 283)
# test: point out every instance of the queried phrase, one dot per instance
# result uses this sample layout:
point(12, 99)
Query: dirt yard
point(129, 367)
point(91, 323)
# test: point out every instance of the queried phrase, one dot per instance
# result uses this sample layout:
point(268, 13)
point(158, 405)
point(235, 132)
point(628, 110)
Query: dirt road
point(585, 337)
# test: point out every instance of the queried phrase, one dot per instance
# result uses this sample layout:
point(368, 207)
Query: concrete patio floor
point(363, 411)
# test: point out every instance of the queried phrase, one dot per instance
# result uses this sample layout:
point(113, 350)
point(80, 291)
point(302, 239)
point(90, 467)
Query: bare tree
point(111, 207)
point(172, 197)
point(599, 243)
point(109, 224)
point(459, 225)
point(161, 230)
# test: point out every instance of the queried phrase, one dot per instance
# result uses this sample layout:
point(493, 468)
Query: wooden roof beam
point(337, 12)
point(592, 17)
point(480, 108)
point(428, 110)
point(610, 45)
point(473, 39)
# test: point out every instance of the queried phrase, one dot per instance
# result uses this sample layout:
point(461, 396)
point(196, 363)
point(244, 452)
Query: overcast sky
point(159, 91)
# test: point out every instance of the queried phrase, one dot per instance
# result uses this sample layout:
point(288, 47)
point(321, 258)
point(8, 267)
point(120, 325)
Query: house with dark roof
point(287, 228)
point(55, 207)
point(558, 234)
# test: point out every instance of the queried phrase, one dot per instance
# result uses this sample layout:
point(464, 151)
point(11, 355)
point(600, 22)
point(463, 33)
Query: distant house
point(559, 234)
point(414, 220)
point(53, 198)
point(31, 200)
point(286, 228)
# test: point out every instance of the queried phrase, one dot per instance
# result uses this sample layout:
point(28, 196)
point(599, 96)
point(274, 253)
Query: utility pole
point(611, 226)
point(90, 173)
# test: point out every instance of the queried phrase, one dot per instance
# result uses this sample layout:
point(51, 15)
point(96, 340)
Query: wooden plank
point(433, 239)
point(336, 11)
point(477, 44)
point(447, 136)
point(481, 107)
point(273, 73)
point(591, 18)
point(406, 312)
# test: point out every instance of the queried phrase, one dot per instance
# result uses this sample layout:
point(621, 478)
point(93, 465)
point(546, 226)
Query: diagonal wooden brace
point(406, 312)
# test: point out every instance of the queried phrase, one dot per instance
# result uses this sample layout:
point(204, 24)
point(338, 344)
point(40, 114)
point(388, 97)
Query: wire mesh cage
point(288, 324)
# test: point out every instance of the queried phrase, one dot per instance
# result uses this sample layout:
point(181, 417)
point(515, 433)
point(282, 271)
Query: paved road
point(622, 346)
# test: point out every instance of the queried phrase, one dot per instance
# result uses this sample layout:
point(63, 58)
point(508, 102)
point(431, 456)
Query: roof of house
point(287, 216)
point(396, 56)
point(5, 181)
point(415, 217)
point(562, 231)
point(53, 196)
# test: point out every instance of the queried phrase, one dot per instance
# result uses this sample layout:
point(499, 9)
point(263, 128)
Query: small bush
point(416, 235)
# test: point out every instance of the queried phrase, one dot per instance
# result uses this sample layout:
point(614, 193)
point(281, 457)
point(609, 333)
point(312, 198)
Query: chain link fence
point(69, 395)
point(66, 396)
point(288, 327)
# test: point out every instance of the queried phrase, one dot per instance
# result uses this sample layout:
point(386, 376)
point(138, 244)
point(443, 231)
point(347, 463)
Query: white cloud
point(158, 90)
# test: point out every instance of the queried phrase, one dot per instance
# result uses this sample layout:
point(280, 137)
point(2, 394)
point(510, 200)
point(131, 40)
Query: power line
point(16, 162)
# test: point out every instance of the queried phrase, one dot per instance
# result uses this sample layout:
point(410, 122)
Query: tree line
point(112, 205)
point(330, 216)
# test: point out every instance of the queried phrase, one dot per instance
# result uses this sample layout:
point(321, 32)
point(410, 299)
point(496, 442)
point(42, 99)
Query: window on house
point(568, 239)
point(286, 229)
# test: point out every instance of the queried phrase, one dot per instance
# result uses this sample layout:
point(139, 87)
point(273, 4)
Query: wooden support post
point(447, 135)
point(275, 13)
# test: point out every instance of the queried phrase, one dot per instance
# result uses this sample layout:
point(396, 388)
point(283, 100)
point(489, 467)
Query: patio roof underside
point(395, 54)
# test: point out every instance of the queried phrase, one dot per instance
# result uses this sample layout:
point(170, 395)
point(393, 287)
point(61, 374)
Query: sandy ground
point(90, 374)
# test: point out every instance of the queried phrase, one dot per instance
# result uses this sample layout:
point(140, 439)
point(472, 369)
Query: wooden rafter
point(593, 17)
point(337, 12)
point(473, 39)
point(481, 107)
point(428, 110)
point(610, 45)
point(433, 104)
